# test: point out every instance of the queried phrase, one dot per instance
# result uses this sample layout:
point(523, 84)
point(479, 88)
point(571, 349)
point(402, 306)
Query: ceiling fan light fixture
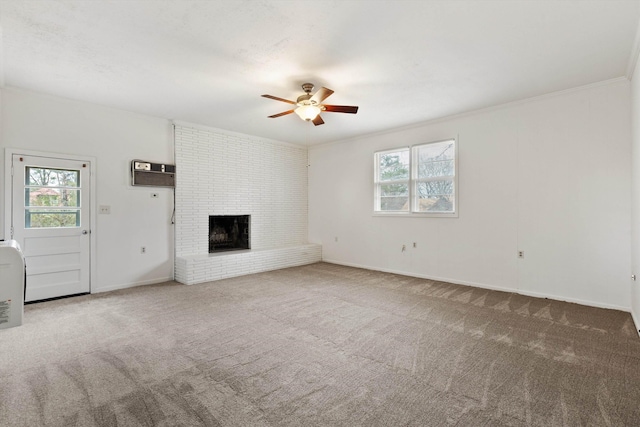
point(309, 107)
point(307, 112)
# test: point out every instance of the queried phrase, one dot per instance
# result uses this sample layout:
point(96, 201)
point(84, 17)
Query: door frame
point(8, 198)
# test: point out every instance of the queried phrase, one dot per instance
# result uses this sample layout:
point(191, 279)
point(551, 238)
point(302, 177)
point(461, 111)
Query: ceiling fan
point(310, 106)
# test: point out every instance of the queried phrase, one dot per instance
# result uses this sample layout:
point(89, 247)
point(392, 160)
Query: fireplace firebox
point(229, 232)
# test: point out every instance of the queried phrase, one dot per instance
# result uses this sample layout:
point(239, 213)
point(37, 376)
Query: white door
point(51, 222)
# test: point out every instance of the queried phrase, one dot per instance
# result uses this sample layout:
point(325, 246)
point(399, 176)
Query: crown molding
point(614, 81)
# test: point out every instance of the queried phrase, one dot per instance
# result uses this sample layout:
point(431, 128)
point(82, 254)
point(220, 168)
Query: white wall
point(549, 176)
point(44, 123)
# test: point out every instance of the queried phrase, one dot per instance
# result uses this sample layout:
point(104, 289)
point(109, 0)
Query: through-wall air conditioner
point(152, 174)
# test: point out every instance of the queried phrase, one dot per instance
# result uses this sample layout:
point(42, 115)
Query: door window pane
point(45, 177)
point(51, 198)
point(51, 219)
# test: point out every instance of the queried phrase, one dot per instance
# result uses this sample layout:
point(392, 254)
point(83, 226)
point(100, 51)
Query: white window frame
point(413, 182)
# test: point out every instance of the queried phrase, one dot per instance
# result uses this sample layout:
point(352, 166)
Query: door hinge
point(12, 232)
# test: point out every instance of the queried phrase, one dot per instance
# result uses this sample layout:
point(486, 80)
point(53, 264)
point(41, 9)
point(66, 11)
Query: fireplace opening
point(229, 232)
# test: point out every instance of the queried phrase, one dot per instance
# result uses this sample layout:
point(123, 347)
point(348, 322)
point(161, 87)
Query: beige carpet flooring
point(318, 345)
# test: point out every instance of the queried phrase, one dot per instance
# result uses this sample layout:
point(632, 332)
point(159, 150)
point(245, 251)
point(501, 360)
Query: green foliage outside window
point(52, 198)
point(394, 196)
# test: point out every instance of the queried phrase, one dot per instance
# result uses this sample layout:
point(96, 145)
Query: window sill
point(416, 214)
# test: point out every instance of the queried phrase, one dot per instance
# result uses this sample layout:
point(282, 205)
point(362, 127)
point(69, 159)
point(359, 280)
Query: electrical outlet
point(520, 254)
point(104, 209)
point(143, 249)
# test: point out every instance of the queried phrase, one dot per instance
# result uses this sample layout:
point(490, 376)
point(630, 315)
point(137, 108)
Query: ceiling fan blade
point(322, 94)
point(340, 109)
point(284, 113)
point(318, 120)
point(278, 99)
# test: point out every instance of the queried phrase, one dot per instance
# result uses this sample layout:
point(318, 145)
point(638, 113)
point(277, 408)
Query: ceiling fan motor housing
point(305, 100)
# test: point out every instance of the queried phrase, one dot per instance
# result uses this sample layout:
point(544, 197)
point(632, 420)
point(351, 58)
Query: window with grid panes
point(417, 180)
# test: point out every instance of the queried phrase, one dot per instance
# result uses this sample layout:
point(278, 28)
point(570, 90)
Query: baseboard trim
point(131, 285)
point(574, 300)
point(487, 286)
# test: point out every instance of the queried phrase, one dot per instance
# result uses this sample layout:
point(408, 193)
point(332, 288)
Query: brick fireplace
point(226, 174)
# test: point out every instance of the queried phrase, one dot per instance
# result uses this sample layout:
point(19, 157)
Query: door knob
point(85, 232)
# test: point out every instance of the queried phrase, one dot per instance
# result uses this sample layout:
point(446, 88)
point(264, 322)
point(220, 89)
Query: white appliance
point(11, 284)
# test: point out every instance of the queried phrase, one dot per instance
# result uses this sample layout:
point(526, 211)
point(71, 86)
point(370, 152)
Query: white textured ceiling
point(401, 62)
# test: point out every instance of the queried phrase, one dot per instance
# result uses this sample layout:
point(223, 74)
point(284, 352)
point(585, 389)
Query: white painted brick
point(221, 266)
point(219, 174)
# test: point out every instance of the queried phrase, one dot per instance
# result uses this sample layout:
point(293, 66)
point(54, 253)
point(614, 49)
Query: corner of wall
point(635, 53)
point(2, 153)
point(634, 292)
